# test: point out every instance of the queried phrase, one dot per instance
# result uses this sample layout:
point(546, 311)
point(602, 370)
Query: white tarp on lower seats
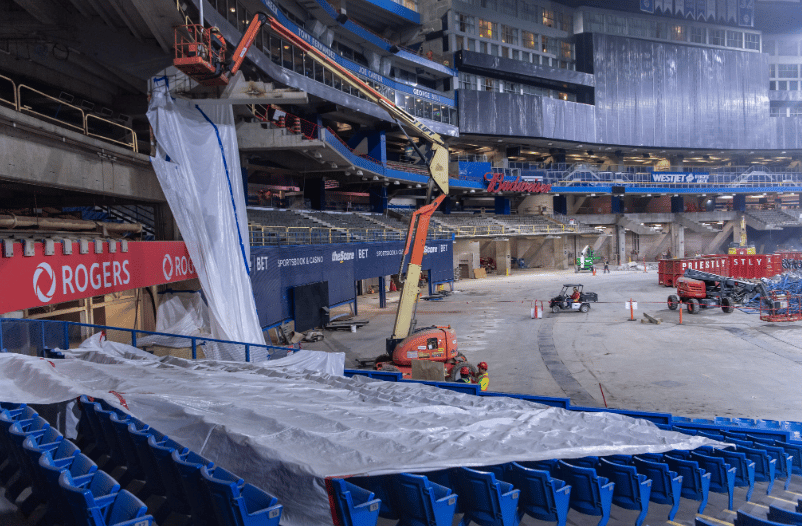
point(197, 164)
point(286, 429)
point(183, 313)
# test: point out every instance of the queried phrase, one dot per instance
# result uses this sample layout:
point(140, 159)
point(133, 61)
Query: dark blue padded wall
point(276, 270)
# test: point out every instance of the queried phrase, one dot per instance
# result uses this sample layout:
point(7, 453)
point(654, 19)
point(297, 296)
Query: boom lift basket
point(200, 53)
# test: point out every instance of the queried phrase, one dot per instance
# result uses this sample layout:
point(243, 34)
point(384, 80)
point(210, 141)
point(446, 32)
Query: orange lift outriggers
point(201, 55)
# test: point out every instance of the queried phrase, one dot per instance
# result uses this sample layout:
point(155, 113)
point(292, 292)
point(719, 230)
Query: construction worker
point(606, 266)
point(465, 375)
point(481, 376)
point(575, 296)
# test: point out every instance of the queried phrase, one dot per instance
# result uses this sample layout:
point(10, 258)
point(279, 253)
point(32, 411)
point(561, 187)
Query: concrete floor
point(714, 364)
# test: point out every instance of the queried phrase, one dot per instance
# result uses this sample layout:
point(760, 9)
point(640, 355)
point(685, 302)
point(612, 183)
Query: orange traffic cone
point(296, 126)
point(281, 123)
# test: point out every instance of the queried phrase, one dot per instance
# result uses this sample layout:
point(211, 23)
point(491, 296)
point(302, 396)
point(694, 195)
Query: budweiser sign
point(496, 183)
point(42, 280)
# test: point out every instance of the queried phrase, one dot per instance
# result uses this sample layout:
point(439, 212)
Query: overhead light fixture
point(396, 182)
point(334, 165)
point(417, 185)
point(317, 155)
point(375, 177)
point(359, 172)
point(473, 191)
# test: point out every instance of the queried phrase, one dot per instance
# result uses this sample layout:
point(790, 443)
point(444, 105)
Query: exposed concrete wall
point(466, 252)
point(35, 152)
point(502, 249)
point(536, 204)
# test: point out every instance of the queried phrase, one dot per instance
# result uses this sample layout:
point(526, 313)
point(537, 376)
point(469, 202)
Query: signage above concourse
point(681, 177)
point(496, 184)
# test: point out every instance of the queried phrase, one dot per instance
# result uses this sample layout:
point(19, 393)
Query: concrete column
point(377, 146)
point(315, 191)
point(677, 240)
point(378, 199)
point(502, 206)
point(710, 204)
point(736, 230)
point(621, 244)
point(166, 229)
point(535, 204)
point(559, 247)
point(739, 202)
point(502, 257)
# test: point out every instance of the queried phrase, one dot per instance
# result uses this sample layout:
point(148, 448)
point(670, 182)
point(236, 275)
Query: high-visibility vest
point(483, 380)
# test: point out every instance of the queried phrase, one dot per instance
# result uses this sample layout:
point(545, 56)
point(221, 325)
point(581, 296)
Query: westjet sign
point(680, 177)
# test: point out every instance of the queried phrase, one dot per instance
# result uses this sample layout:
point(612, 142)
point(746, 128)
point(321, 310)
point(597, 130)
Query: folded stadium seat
point(542, 497)
point(239, 504)
point(127, 510)
point(619, 459)
point(89, 498)
point(80, 467)
point(17, 433)
point(590, 493)
point(33, 449)
point(188, 467)
point(161, 455)
point(765, 466)
point(354, 506)
point(116, 456)
point(485, 500)
point(711, 435)
point(632, 489)
point(99, 444)
point(8, 417)
point(744, 468)
point(695, 480)
point(133, 467)
point(421, 502)
point(783, 460)
point(790, 448)
point(704, 522)
point(722, 476)
point(666, 484)
point(585, 462)
point(784, 516)
point(382, 487)
point(744, 519)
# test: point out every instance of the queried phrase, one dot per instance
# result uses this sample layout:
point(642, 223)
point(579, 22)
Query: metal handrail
point(13, 103)
point(133, 144)
point(28, 109)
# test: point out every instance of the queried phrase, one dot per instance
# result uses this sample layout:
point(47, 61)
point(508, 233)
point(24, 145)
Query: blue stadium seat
point(382, 487)
point(765, 466)
point(744, 468)
point(632, 489)
point(116, 455)
point(790, 448)
point(542, 497)
point(99, 444)
point(711, 435)
point(722, 476)
point(666, 484)
point(133, 467)
point(784, 516)
point(585, 462)
point(484, 499)
point(89, 499)
point(744, 519)
point(29, 476)
point(33, 448)
point(127, 510)
point(695, 480)
point(590, 494)
point(188, 467)
point(783, 461)
point(161, 454)
point(239, 504)
point(80, 467)
point(354, 506)
point(699, 521)
point(425, 503)
point(140, 437)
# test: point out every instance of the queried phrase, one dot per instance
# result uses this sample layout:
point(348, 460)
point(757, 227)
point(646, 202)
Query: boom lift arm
point(437, 160)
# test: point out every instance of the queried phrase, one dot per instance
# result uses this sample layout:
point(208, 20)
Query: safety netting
point(286, 425)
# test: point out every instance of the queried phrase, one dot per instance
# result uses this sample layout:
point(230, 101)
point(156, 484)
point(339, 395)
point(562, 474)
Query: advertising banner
point(276, 270)
point(680, 177)
point(34, 281)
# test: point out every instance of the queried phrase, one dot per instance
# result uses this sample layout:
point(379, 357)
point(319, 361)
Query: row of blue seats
point(786, 430)
point(776, 516)
point(74, 491)
point(544, 490)
point(187, 483)
point(190, 484)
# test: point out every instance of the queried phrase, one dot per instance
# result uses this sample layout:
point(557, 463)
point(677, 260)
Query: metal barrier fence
point(31, 337)
point(26, 99)
point(288, 235)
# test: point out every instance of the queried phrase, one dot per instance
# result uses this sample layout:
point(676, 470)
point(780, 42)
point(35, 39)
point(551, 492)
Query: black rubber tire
point(390, 368)
point(452, 376)
point(673, 302)
point(584, 307)
point(383, 358)
point(693, 306)
point(555, 309)
point(727, 305)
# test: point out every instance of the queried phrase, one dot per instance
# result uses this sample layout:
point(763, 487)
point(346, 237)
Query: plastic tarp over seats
point(197, 164)
point(185, 314)
point(286, 429)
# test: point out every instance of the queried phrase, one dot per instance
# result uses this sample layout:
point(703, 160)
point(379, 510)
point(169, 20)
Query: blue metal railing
point(26, 336)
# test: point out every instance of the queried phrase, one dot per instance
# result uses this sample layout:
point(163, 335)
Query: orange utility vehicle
point(200, 54)
point(699, 290)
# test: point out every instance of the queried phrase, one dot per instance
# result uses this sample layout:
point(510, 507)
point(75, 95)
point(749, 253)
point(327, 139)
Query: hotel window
point(593, 23)
point(716, 37)
point(487, 29)
point(465, 23)
point(735, 39)
point(566, 22)
point(548, 18)
point(529, 11)
point(787, 71)
point(637, 27)
point(490, 84)
point(529, 40)
point(507, 7)
point(753, 41)
point(566, 51)
point(697, 35)
point(509, 35)
point(678, 33)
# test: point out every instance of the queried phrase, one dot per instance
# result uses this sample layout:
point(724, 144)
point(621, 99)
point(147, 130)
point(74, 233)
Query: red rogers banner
point(39, 280)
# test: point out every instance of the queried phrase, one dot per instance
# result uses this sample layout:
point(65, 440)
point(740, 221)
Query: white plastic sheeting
point(197, 163)
point(184, 314)
point(286, 429)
